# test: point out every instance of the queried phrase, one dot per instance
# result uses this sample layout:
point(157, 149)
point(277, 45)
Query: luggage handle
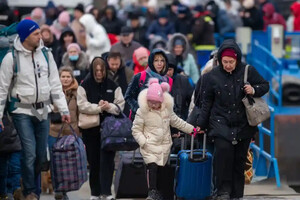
point(192, 147)
point(72, 130)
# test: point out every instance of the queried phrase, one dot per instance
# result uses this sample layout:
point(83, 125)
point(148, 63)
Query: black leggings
point(153, 172)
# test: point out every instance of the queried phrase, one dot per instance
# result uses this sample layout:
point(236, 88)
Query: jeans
point(10, 172)
point(33, 135)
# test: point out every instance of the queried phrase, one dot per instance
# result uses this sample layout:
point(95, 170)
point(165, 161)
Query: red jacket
point(271, 17)
point(295, 8)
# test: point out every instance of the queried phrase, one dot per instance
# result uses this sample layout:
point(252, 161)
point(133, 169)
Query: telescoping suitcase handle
point(192, 147)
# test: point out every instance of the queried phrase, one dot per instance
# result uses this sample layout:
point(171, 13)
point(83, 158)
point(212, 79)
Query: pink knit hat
point(156, 90)
point(64, 16)
point(74, 45)
point(141, 52)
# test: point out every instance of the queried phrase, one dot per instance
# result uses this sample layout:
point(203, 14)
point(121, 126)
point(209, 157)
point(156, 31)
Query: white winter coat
point(31, 86)
point(97, 40)
point(151, 129)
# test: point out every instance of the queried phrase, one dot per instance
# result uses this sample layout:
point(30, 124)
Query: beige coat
point(151, 129)
point(70, 94)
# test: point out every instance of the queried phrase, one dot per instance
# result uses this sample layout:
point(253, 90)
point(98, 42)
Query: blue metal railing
point(270, 68)
point(264, 163)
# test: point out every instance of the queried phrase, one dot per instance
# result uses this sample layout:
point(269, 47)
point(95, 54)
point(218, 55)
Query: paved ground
point(257, 190)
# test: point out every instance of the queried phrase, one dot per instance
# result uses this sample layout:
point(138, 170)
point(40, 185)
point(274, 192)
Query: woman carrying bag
point(97, 96)
point(70, 86)
point(224, 114)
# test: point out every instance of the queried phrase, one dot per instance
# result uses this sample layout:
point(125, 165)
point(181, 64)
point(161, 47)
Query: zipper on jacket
point(36, 82)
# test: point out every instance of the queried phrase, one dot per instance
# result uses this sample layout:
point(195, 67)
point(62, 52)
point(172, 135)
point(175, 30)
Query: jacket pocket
point(44, 93)
point(26, 95)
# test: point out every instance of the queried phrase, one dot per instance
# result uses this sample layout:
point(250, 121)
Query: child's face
point(155, 105)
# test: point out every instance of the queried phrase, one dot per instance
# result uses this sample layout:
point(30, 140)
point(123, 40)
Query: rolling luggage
point(130, 179)
point(194, 173)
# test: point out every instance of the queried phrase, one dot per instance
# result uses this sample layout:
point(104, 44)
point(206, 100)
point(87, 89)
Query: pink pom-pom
point(165, 87)
point(153, 80)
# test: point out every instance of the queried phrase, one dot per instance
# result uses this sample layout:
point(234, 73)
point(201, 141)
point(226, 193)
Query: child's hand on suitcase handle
point(196, 131)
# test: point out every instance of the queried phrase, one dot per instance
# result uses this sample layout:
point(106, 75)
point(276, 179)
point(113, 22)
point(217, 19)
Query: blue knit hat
point(25, 28)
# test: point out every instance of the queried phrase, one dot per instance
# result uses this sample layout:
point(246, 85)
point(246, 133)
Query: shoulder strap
point(46, 55)
point(142, 78)
point(246, 74)
point(170, 80)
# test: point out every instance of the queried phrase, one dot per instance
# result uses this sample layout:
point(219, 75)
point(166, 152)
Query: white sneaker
point(94, 198)
point(104, 197)
point(110, 197)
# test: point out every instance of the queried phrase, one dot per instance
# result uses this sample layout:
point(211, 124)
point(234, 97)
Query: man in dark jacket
point(224, 114)
point(126, 46)
point(182, 89)
point(120, 74)
point(111, 22)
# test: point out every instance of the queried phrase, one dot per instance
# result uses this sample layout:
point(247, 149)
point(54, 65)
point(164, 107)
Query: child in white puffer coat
point(151, 130)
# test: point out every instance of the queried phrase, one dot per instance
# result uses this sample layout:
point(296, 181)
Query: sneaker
point(31, 196)
point(223, 197)
point(65, 196)
point(154, 195)
point(18, 194)
point(94, 198)
point(110, 197)
point(3, 197)
point(10, 196)
point(58, 196)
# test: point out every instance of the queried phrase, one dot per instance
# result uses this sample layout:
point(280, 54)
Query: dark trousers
point(154, 175)
point(101, 163)
point(229, 166)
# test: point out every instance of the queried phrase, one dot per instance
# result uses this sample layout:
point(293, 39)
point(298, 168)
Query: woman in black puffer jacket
point(224, 114)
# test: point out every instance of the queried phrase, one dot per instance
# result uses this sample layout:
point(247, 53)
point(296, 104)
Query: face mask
point(74, 57)
point(144, 64)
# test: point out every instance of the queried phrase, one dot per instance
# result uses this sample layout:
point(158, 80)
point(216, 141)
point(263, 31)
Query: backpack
point(7, 37)
point(143, 79)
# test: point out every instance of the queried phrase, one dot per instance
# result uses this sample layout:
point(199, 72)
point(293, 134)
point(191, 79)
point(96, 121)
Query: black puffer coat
point(223, 111)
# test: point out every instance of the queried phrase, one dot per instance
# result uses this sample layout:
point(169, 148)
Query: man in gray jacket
point(28, 80)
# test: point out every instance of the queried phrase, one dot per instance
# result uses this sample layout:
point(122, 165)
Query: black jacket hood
point(151, 58)
point(230, 44)
point(64, 32)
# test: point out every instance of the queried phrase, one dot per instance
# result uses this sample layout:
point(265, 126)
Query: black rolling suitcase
point(130, 179)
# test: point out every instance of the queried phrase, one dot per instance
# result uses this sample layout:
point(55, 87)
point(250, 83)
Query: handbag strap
point(121, 112)
point(61, 130)
point(246, 74)
point(200, 90)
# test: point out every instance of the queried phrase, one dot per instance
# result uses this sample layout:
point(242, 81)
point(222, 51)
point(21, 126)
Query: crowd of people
point(92, 61)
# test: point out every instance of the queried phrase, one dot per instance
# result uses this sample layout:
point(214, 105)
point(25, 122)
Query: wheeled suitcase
point(194, 173)
point(130, 179)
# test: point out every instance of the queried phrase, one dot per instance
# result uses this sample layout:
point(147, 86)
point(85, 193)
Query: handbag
point(116, 133)
point(257, 110)
point(68, 162)
point(86, 121)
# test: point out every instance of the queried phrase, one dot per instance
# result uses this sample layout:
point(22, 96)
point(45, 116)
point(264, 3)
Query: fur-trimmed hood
point(81, 64)
point(185, 45)
point(168, 102)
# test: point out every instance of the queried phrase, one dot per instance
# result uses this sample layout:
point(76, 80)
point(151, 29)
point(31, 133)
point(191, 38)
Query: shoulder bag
point(257, 110)
point(86, 121)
